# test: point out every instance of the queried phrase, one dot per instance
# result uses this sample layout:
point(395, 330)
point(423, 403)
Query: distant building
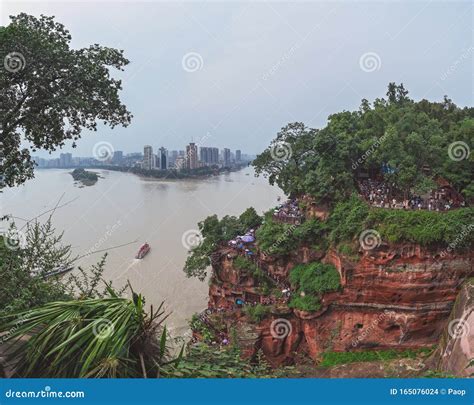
point(148, 158)
point(65, 160)
point(214, 158)
point(238, 156)
point(180, 162)
point(117, 159)
point(204, 154)
point(163, 158)
point(172, 156)
point(226, 157)
point(192, 156)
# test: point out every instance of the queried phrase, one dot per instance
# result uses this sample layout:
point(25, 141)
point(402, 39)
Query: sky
point(231, 74)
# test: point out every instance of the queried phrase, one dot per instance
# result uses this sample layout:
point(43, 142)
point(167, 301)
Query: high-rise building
point(163, 158)
point(173, 155)
point(226, 157)
point(192, 156)
point(238, 155)
point(214, 156)
point(148, 158)
point(204, 154)
point(117, 159)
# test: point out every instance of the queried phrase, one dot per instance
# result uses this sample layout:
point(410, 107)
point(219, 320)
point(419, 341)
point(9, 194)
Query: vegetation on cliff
point(411, 139)
point(214, 232)
point(309, 282)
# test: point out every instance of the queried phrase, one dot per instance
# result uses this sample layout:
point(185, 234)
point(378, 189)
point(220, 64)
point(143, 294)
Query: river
point(122, 208)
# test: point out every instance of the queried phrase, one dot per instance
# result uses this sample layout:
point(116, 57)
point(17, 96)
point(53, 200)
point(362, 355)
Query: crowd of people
point(244, 244)
point(288, 212)
point(380, 194)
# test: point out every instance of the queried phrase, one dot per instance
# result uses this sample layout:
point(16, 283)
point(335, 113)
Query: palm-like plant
point(107, 337)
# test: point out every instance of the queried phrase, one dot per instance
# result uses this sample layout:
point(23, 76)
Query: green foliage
point(349, 218)
point(214, 232)
point(84, 176)
point(276, 238)
point(54, 93)
point(310, 281)
point(305, 303)
point(208, 335)
point(203, 361)
point(335, 358)
point(108, 337)
point(406, 135)
point(257, 313)
point(27, 266)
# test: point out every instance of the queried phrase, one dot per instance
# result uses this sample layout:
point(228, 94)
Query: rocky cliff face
point(394, 296)
point(455, 354)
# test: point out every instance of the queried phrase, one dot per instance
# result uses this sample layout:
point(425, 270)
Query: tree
point(50, 92)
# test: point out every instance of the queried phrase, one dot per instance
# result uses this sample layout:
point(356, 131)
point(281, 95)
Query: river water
point(122, 208)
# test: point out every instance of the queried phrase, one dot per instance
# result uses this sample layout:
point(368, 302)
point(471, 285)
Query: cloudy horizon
point(232, 74)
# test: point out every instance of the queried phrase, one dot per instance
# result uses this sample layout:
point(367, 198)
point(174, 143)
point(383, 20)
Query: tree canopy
point(405, 136)
point(51, 92)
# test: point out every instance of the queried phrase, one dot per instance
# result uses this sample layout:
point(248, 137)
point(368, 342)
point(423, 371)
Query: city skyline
point(260, 66)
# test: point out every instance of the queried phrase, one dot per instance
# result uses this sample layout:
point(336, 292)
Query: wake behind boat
point(144, 249)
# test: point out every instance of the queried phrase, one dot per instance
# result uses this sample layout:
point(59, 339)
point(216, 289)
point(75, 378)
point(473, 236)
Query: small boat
point(144, 249)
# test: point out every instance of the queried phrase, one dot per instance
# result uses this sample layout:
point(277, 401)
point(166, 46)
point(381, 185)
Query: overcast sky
point(232, 74)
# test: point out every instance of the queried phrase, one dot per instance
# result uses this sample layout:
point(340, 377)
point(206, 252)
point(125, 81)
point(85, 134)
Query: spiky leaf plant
point(108, 337)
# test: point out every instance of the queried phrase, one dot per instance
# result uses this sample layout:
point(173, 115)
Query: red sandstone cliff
point(394, 296)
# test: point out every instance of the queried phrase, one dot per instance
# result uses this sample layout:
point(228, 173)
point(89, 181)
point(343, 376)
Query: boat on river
point(142, 252)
